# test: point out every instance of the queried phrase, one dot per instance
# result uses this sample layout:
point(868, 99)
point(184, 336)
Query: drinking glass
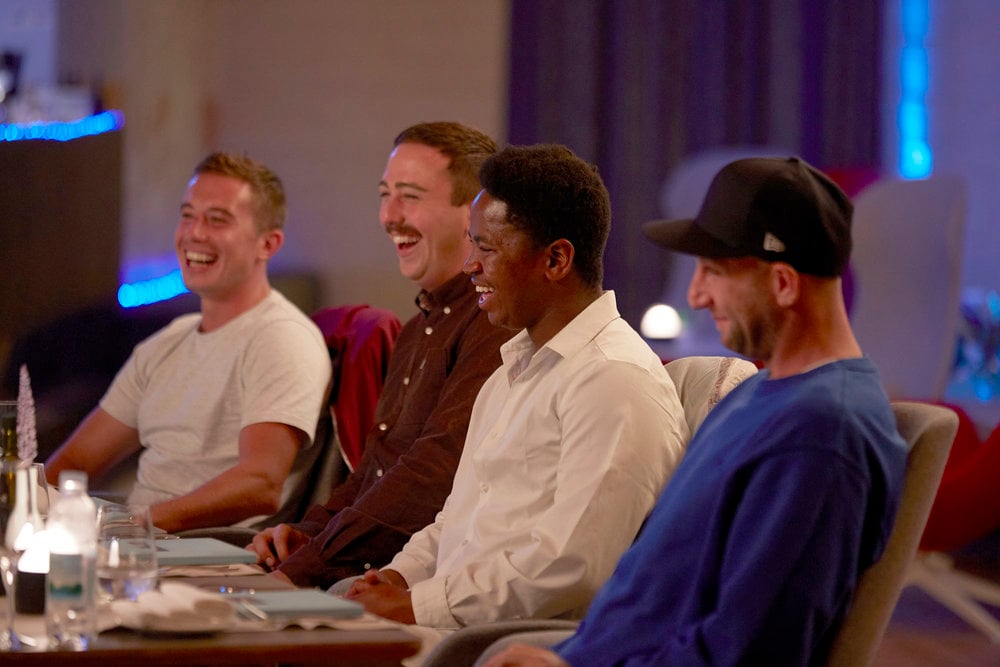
point(126, 552)
point(41, 491)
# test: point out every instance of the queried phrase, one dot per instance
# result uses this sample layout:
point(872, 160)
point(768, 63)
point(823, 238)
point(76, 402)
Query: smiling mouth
point(199, 258)
point(404, 241)
point(484, 293)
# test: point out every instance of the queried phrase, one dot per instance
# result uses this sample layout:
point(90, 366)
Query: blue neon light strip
point(106, 121)
point(143, 292)
point(916, 159)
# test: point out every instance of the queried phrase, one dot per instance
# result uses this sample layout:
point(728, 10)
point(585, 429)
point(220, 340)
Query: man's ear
point(785, 284)
point(466, 212)
point(270, 242)
point(559, 259)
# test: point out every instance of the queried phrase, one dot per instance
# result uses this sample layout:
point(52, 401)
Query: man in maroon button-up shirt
point(442, 357)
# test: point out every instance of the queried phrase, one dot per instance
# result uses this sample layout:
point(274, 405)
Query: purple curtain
point(636, 85)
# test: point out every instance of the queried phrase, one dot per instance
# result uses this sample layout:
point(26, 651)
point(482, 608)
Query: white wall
point(317, 90)
point(29, 27)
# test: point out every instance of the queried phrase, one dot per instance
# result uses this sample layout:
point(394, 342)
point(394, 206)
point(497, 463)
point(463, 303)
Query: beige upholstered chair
point(703, 381)
point(907, 284)
point(929, 430)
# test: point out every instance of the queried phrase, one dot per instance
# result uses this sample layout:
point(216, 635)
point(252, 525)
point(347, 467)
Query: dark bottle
point(9, 461)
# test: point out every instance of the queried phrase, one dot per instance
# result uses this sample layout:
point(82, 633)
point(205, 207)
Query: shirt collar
point(572, 337)
point(453, 289)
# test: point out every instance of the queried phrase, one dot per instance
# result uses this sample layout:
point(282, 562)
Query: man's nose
point(197, 227)
point(390, 211)
point(472, 264)
point(696, 296)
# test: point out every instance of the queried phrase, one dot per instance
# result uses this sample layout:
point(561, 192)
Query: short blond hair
point(266, 188)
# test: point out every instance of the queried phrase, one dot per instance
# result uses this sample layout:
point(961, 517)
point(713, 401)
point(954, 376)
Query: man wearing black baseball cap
point(787, 492)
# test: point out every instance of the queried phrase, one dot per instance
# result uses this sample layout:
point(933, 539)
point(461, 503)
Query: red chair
point(360, 339)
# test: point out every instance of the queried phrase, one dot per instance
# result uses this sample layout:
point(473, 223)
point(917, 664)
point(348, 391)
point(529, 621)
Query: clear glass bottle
point(70, 602)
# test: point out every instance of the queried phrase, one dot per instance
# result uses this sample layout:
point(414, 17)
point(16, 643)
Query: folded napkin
point(176, 607)
point(231, 570)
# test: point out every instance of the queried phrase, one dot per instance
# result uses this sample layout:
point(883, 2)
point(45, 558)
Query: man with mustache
point(441, 358)
point(571, 439)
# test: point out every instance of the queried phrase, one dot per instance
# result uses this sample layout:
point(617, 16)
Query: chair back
point(929, 430)
point(703, 381)
point(907, 261)
point(360, 339)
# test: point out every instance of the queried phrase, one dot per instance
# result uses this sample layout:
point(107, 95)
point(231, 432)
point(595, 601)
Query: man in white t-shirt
point(224, 400)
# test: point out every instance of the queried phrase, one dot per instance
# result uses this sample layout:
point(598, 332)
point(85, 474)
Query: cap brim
point(687, 237)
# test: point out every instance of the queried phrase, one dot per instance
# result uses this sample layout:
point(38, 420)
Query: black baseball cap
point(777, 209)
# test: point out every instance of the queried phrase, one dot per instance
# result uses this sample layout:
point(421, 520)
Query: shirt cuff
point(430, 604)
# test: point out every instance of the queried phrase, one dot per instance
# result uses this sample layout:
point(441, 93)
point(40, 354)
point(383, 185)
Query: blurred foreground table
point(125, 648)
point(120, 647)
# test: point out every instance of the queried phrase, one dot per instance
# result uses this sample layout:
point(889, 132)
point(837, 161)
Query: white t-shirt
point(189, 393)
point(567, 450)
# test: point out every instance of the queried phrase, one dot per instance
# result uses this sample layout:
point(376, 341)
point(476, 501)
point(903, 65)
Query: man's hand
point(522, 655)
point(280, 576)
point(274, 545)
point(383, 593)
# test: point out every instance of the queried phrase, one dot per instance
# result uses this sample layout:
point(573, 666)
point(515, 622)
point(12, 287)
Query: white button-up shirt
point(567, 450)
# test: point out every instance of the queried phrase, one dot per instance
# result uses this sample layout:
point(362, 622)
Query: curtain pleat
point(636, 85)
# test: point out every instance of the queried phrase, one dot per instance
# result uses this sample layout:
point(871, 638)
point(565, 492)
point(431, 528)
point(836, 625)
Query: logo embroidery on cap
point(772, 243)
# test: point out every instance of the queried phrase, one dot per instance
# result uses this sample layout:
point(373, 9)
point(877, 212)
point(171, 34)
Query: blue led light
point(913, 116)
point(913, 69)
point(144, 292)
point(106, 121)
point(916, 159)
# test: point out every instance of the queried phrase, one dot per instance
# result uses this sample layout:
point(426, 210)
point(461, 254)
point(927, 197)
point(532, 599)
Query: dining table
point(292, 646)
point(365, 642)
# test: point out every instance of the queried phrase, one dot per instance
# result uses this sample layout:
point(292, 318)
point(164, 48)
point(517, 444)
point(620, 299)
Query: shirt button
point(378, 473)
point(383, 426)
point(406, 380)
point(447, 310)
point(368, 566)
point(429, 330)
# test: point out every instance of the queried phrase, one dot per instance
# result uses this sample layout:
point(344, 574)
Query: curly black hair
point(552, 194)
